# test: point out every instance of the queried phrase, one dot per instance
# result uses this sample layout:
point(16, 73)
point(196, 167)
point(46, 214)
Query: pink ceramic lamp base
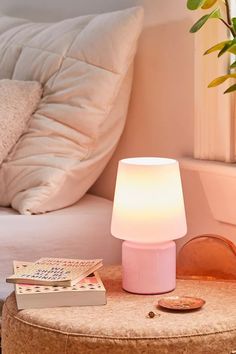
point(148, 268)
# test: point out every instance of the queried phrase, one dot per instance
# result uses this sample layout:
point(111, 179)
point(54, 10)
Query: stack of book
point(53, 282)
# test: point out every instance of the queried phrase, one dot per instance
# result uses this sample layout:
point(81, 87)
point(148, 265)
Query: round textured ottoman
point(122, 326)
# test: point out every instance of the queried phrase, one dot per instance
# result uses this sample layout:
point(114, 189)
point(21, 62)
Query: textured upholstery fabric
point(83, 64)
point(18, 100)
point(121, 326)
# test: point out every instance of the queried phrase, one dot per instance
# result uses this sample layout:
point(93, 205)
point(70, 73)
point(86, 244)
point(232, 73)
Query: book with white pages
point(55, 271)
point(90, 291)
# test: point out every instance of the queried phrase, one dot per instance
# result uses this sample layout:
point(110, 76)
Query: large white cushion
point(83, 65)
point(18, 100)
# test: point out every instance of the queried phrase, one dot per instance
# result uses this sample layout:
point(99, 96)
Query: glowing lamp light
point(148, 213)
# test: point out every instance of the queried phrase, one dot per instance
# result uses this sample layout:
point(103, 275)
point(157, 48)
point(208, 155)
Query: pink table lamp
point(148, 213)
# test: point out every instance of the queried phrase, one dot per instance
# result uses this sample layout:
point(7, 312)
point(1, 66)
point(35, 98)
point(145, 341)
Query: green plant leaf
point(233, 65)
point(214, 14)
point(208, 3)
point(229, 47)
point(194, 4)
point(234, 23)
point(232, 49)
point(226, 47)
point(219, 80)
point(231, 89)
point(216, 47)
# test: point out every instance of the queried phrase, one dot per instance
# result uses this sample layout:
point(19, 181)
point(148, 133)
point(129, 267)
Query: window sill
point(219, 183)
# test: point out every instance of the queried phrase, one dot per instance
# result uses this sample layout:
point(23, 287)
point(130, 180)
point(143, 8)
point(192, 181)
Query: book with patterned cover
point(89, 291)
point(56, 271)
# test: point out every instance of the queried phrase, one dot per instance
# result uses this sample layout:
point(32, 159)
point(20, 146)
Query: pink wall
point(160, 118)
point(161, 114)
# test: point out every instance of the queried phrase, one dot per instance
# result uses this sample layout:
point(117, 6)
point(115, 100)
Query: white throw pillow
point(83, 64)
point(18, 100)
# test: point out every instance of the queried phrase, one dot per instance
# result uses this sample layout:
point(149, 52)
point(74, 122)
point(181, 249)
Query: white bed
point(79, 231)
point(82, 230)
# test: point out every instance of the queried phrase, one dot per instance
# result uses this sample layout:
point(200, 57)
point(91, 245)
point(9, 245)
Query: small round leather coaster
point(181, 303)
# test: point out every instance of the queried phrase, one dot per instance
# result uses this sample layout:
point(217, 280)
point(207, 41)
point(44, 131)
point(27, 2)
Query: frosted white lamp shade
point(148, 204)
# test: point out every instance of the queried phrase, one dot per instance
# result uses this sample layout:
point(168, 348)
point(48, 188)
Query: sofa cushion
point(83, 64)
point(18, 100)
